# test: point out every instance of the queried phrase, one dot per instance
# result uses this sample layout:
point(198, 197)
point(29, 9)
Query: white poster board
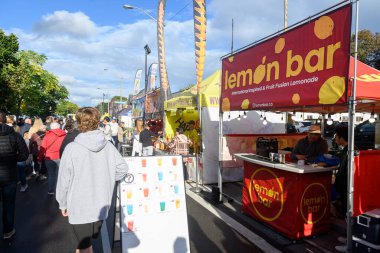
point(153, 206)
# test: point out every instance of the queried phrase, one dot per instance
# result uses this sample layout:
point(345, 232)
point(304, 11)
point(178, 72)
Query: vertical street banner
point(152, 74)
point(164, 82)
point(200, 23)
point(305, 66)
point(153, 206)
point(136, 86)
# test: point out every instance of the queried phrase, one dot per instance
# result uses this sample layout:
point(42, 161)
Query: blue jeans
point(8, 192)
point(52, 168)
point(21, 166)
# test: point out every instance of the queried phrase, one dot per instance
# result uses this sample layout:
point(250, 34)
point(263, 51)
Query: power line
point(171, 18)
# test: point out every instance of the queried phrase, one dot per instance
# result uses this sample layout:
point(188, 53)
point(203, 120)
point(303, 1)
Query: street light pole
point(147, 51)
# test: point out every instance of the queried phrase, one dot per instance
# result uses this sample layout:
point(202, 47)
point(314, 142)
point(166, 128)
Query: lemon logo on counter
point(259, 74)
point(332, 90)
point(245, 104)
point(280, 44)
point(226, 105)
point(323, 27)
point(231, 59)
point(296, 98)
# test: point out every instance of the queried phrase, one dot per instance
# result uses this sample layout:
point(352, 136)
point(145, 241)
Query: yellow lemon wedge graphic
point(323, 27)
point(280, 44)
point(259, 74)
point(296, 98)
point(226, 105)
point(332, 90)
point(245, 104)
point(231, 59)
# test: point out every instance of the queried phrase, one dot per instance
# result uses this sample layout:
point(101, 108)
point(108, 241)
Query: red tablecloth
point(295, 205)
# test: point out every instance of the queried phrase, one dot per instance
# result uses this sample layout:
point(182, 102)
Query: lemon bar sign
point(304, 66)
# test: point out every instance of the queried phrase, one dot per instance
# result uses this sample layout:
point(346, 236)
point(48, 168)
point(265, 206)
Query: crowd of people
point(78, 158)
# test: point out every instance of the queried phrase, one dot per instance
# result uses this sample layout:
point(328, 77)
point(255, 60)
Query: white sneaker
point(342, 239)
point(341, 248)
point(9, 235)
point(23, 188)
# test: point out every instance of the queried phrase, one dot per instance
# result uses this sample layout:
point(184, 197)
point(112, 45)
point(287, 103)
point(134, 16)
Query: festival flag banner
point(164, 82)
point(136, 86)
point(200, 38)
point(304, 66)
point(152, 76)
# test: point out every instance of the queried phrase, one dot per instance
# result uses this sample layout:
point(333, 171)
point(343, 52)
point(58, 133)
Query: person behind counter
point(146, 139)
point(310, 147)
point(192, 134)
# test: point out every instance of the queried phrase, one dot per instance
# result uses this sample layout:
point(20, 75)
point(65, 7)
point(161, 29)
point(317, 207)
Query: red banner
point(305, 66)
point(296, 205)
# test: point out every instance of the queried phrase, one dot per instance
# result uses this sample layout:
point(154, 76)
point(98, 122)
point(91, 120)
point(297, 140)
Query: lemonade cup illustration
point(159, 161)
point(175, 175)
point(177, 203)
point(145, 176)
point(130, 209)
point(160, 175)
point(129, 194)
point(162, 206)
point(160, 190)
point(143, 162)
point(174, 161)
point(146, 192)
point(146, 209)
point(130, 225)
point(176, 189)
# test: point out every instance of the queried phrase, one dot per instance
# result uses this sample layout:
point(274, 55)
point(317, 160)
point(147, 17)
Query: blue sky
point(83, 37)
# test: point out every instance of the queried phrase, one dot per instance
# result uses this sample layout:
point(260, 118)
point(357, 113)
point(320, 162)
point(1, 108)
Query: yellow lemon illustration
point(296, 98)
point(323, 27)
point(280, 44)
point(231, 59)
point(245, 104)
point(226, 105)
point(259, 74)
point(332, 90)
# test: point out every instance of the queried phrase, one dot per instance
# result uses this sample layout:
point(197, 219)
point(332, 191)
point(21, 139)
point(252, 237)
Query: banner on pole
point(164, 82)
point(152, 76)
point(304, 66)
point(136, 86)
point(200, 22)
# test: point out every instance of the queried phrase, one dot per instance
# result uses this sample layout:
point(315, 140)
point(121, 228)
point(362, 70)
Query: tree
point(65, 107)
point(368, 48)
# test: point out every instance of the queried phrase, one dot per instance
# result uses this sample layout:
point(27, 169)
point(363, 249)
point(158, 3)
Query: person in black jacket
point(13, 149)
point(146, 139)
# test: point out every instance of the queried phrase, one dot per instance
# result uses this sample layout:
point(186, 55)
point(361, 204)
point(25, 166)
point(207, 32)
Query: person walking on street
point(146, 139)
point(107, 129)
point(114, 131)
point(50, 152)
point(12, 150)
point(136, 144)
point(38, 131)
point(26, 126)
point(70, 137)
point(89, 168)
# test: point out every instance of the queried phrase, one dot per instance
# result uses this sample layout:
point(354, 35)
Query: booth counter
point(292, 199)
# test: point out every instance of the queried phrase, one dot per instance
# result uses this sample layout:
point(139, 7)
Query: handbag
point(265, 146)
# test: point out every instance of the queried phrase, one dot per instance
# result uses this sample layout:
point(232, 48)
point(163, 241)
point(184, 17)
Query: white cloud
point(63, 22)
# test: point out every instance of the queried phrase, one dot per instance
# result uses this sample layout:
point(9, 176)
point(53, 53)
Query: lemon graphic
point(245, 104)
point(280, 44)
point(226, 105)
point(259, 74)
point(323, 27)
point(332, 90)
point(231, 59)
point(296, 98)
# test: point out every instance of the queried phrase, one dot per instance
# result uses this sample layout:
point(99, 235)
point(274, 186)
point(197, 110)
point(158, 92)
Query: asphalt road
point(40, 228)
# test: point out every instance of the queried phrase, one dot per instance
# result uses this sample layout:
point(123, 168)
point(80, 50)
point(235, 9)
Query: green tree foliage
point(27, 88)
point(368, 48)
point(65, 107)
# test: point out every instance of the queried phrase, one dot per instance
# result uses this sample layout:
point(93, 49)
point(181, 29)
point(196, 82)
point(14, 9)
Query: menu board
point(153, 206)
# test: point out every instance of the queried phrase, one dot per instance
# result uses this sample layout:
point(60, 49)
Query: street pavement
point(40, 228)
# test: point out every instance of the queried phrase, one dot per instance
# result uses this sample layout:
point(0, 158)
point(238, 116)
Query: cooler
point(367, 227)
point(361, 246)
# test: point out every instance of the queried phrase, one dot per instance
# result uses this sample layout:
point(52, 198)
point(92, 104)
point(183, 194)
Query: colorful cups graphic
point(129, 194)
point(159, 161)
point(130, 209)
point(130, 225)
point(177, 203)
point(143, 162)
point(160, 175)
point(160, 190)
point(175, 176)
point(162, 206)
point(174, 161)
point(146, 192)
point(145, 177)
point(146, 209)
point(176, 188)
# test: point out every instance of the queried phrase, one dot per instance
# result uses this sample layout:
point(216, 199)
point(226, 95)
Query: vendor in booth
point(192, 134)
point(310, 147)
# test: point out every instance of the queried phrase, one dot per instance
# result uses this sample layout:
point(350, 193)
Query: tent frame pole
point(220, 167)
point(351, 138)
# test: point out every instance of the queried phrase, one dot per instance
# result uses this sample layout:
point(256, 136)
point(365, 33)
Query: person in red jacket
point(49, 151)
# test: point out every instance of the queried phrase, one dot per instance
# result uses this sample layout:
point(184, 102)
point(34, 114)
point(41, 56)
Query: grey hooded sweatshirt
point(87, 173)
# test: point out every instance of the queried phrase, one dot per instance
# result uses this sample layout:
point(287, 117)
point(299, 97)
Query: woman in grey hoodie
point(88, 170)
